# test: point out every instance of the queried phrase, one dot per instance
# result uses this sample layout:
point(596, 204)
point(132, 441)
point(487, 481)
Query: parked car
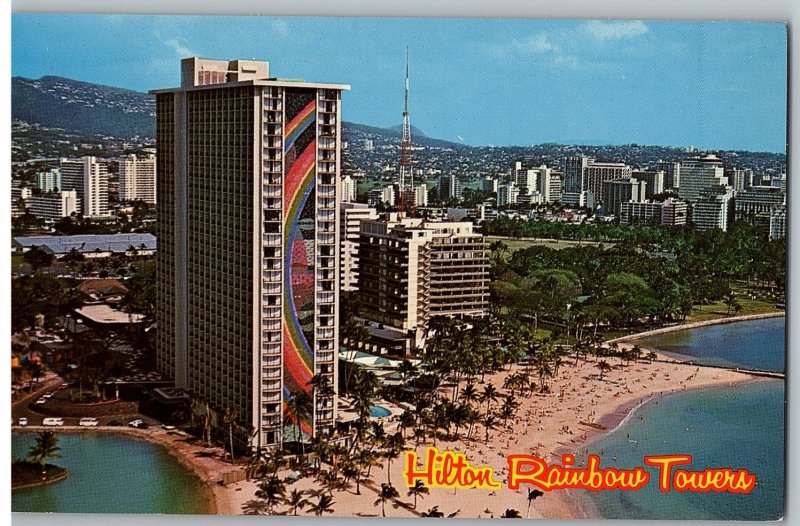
point(51, 421)
point(138, 424)
point(40, 401)
point(23, 421)
point(88, 422)
point(168, 427)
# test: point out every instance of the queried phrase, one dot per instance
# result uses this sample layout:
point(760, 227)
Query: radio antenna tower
point(406, 169)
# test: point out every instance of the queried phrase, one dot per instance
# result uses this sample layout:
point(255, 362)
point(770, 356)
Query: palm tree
point(371, 459)
point(255, 463)
point(472, 417)
point(271, 492)
point(255, 507)
point(432, 512)
point(394, 445)
point(299, 409)
point(296, 500)
point(533, 494)
point(509, 409)
point(321, 448)
point(387, 492)
point(489, 395)
point(510, 514)
point(490, 422)
point(46, 447)
point(469, 394)
point(274, 461)
point(417, 490)
point(229, 419)
point(407, 420)
point(320, 387)
point(604, 368)
point(406, 370)
point(636, 353)
point(323, 505)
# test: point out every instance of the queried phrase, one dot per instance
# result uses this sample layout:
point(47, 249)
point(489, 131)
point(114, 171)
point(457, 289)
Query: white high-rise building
point(713, 208)
point(53, 205)
point(349, 189)
point(49, 181)
point(89, 179)
point(698, 174)
point(507, 194)
point(352, 214)
point(421, 195)
point(137, 179)
point(247, 275)
point(449, 187)
point(413, 270)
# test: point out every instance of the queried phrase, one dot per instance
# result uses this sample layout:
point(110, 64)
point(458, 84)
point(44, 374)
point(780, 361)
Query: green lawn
point(16, 261)
point(718, 309)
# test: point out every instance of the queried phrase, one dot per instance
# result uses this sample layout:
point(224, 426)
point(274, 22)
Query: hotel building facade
point(412, 270)
point(137, 179)
point(88, 177)
point(248, 260)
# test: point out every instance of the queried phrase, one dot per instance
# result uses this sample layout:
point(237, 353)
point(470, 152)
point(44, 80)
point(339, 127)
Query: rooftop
point(105, 315)
point(84, 244)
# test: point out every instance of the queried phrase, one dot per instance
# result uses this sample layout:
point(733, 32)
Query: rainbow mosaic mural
point(298, 310)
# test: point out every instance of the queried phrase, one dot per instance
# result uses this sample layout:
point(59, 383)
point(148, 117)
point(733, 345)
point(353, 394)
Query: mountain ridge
point(98, 109)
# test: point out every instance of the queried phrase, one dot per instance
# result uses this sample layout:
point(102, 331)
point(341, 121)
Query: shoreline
point(617, 418)
point(622, 413)
point(696, 324)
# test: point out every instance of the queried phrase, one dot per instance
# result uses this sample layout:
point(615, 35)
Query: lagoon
point(112, 474)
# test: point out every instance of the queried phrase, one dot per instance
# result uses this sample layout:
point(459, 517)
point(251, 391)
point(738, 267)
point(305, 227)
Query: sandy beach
point(547, 425)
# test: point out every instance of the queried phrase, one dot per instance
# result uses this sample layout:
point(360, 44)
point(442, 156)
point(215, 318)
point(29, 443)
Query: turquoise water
point(757, 344)
point(377, 411)
point(740, 427)
point(111, 474)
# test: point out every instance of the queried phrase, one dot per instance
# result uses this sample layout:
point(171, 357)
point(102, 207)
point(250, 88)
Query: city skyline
point(614, 82)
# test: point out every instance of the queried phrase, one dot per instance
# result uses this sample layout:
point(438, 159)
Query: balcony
point(272, 239)
point(271, 324)
point(271, 275)
point(324, 333)
point(272, 312)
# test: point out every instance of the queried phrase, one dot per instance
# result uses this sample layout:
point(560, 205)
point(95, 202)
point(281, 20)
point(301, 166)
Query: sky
point(711, 85)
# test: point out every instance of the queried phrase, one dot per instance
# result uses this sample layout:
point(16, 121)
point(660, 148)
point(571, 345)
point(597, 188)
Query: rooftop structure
point(88, 245)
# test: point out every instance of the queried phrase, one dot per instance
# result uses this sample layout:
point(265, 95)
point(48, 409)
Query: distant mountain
point(395, 134)
point(57, 102)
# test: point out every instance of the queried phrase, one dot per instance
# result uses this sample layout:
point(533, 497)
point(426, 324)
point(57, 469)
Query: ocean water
point(739, 427)
point(757, 344)
point(111, 474)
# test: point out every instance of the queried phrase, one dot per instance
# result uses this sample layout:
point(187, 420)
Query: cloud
point(280, 27)
point(542, 44)
point(179, 48)
point(616, 30)
point(539, 43)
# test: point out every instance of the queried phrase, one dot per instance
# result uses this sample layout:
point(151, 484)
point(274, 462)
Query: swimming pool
point(377, 411)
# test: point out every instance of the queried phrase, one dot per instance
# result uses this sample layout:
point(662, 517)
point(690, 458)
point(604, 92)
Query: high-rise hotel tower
point(248, 259)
